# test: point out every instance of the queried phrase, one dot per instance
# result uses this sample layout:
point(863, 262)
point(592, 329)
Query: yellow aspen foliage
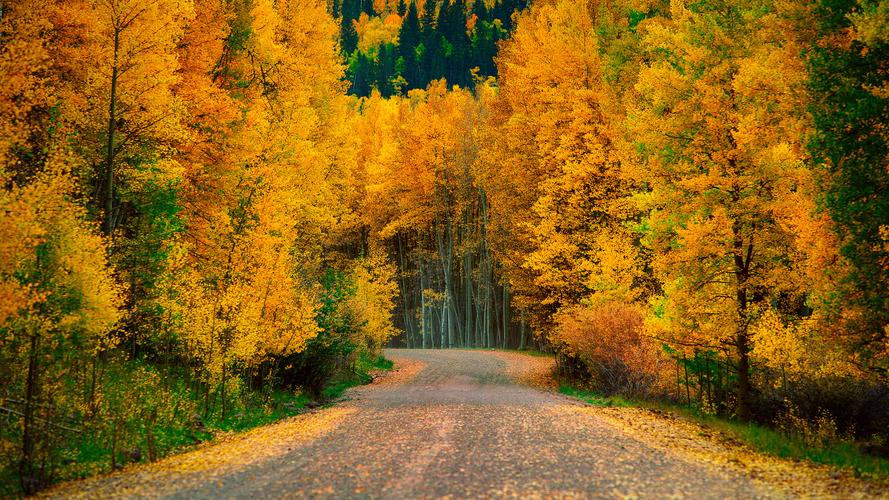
point(797, 349)
point(23, 63)
point(254, 311)
point(373, 301)
point(871, 23)
point(376, 156)
point(213, 144)
point(419, 150)
point(375, 31)
point(243, 286)
point(62, 300)
point(54, 270)
point(193, 208)
point(555, 169)
point(719, 117)
point(120, 96)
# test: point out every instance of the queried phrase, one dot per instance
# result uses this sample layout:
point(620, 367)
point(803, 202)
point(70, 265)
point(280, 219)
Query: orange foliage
point(608, 339)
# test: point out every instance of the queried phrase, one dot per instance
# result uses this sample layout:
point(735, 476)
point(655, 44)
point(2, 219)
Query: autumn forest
point(215, 212)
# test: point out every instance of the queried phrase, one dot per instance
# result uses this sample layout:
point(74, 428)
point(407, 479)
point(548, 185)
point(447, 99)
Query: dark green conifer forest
point(427, 41)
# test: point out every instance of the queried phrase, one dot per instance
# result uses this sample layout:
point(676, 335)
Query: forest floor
point(472, 423)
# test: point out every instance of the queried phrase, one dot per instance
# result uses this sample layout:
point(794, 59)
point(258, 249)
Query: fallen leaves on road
point(697, 443)
point(404, 370)
point(229, 453)
point(536, 371)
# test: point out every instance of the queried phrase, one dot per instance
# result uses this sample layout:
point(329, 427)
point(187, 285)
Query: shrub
point(327, 354)
point(605, 344)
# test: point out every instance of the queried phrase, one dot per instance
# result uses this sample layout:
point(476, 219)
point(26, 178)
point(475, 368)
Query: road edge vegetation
point(840, 454)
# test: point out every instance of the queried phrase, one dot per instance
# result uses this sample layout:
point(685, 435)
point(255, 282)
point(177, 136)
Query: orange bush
point(605, 344)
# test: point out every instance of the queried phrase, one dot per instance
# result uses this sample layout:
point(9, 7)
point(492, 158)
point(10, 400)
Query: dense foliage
point(213, 209)
point(849, 146)
point(172, 175)
point(720, 164)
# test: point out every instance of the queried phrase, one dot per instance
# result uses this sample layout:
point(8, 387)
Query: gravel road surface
point(453, 423)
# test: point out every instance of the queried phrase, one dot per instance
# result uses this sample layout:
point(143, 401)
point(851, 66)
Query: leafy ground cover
point(842, 454)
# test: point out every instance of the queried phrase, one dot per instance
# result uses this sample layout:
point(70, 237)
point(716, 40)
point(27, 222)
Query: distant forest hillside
point(393, 46)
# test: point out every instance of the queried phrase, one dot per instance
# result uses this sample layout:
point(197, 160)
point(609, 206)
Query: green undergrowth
point(89, 454)
point(843, 454)
point(532, 352)
point(840, 454)
point(361, 375)
point(594, 398)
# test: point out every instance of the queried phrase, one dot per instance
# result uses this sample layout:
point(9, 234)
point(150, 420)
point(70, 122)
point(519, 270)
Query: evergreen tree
point(452, 26)
point(433, 43)
point(852, 146)
point(350, 11)
point(361, 74)
point(432, 56)
point(408, 40)
point(385, 71)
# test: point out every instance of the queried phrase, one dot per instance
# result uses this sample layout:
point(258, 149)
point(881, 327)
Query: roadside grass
point(532, 352)
point(529, 352)
point(279, 405)
point(91, 455)
point(595, 398)
point(839, 454)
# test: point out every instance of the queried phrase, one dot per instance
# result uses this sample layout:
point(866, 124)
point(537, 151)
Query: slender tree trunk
point(687, 390)
point(522, 331)
point(93, 381)
point(29, 483)
point(114, 432)
point(222, 398)
point(742, 260)
point(207, 400)
point(443, 326)
point(678, 382)
point(505, 320)
point(709, 381)
point(467, 296)
point(489, 309)
point(405, 305)
point(744, 389)
point(149, 437)
point(423, 320)
point(478, 334)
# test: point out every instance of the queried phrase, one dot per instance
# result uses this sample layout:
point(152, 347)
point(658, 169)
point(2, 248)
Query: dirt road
point(461, 424)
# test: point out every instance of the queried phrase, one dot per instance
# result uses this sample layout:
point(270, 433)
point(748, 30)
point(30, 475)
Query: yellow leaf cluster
point(374, 299)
